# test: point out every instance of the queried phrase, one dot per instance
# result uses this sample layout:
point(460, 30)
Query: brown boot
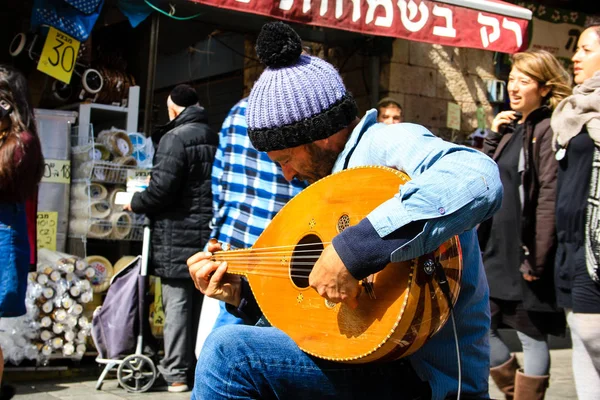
point(530, 387)
point(504, 376)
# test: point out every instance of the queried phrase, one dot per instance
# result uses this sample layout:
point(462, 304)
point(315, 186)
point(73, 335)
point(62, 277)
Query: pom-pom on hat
point(184, 96)
point(298, 99)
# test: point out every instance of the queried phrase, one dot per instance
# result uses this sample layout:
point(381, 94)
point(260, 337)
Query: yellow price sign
point(59, 55)
point(57, 171)
point(47, 224)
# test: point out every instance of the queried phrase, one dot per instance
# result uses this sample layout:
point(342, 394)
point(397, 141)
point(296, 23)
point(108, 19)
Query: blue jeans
point(250, 362)
point(14, 259)
point(225, 317)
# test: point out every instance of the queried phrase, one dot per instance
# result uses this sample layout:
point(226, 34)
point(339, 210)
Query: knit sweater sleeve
point(364, 252)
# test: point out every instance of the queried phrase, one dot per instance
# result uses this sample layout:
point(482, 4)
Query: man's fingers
point(201, 273)
point(203, 255)
point(218, 274)
point(214, 246)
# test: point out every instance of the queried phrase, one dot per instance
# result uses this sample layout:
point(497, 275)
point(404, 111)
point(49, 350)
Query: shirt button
point(442, 210)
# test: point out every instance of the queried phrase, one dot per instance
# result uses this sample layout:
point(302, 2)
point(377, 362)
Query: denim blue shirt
point(453, 188)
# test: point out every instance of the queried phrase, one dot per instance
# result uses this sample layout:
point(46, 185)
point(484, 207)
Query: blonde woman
point(576, 124)
point(519, 242)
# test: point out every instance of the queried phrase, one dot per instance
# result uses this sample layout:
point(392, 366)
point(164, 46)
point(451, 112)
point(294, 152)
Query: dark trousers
point(181, 303)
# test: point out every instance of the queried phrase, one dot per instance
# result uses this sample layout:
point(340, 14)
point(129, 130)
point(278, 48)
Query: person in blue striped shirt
point(248, 190)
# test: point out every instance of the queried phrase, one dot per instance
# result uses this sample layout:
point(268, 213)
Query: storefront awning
point(483, 24)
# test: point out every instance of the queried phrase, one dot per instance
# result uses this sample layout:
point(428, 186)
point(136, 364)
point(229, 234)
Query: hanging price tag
point(57, 171)
point(141, 174)
point(47, 222)
point(59, 55)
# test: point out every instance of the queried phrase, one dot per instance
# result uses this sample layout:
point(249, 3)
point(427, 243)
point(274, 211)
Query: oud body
point(399, 308)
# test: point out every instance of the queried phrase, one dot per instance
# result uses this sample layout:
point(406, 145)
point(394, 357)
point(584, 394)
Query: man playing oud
point(301, 115)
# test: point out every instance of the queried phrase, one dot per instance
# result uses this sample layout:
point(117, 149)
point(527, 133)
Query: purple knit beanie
point(298, 99)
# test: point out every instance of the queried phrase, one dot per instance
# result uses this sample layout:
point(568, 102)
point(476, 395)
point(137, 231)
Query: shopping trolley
point(120, 325)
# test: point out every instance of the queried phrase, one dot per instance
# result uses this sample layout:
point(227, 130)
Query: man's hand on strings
point(211, 277)
point(332, 280)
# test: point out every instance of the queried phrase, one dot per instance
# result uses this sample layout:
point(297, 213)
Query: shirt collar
point(365, 123)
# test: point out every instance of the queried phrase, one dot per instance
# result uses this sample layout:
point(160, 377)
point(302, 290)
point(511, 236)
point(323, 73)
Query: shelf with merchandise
point(103, 116)
point(106, 161)
point(100, 170)
point(118, 226)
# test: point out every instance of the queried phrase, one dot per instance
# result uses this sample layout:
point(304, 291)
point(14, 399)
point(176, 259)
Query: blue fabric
point(76, 20)
point(309, 87)
point(136, 11)
point(248, 189)
point(14, 259)
point(225, 317)
point(431, 163)
point(87, 7)
point(453, 188)
point(364, 252)
point(260, 362)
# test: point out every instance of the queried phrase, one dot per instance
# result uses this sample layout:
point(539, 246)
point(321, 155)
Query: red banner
point(423, 21)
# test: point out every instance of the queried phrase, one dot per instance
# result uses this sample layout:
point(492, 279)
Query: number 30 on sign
point(59, 55)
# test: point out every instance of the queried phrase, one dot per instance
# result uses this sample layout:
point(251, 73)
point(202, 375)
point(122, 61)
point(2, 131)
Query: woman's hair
point(547, 71)
point(16, 181)
point(593, 22)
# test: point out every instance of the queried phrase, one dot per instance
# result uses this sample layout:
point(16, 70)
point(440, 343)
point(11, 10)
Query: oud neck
point(238, 261)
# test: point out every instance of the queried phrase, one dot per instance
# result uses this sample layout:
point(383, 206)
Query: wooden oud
point(399, 308)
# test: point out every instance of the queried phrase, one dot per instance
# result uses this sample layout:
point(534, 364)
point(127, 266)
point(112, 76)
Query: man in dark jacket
point(178, 202)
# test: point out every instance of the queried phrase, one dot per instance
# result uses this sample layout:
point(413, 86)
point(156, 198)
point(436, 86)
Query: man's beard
point(322, 163)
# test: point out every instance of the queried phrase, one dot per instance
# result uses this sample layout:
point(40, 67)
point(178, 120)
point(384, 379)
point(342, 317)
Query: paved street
point(75, 389)
point(561, 386)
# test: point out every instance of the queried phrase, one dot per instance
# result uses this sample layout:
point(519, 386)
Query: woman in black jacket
point(518, 243)
point(576, 125)
point(178, 201)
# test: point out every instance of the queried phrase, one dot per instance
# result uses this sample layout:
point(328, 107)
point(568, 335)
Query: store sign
point(555, 30)
point(59, 55)
point(57, 171)
point(558, 39)
point(47, 222)
point(453, 116)
point(423, 21)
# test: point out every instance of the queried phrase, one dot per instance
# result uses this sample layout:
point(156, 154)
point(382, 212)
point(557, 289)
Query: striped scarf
point(592, 222)
point(568, 120)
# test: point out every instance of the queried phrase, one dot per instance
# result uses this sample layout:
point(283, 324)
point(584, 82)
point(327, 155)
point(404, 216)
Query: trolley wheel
point(136, 373)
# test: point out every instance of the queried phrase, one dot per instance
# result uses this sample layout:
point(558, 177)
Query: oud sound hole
point(306, 253)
